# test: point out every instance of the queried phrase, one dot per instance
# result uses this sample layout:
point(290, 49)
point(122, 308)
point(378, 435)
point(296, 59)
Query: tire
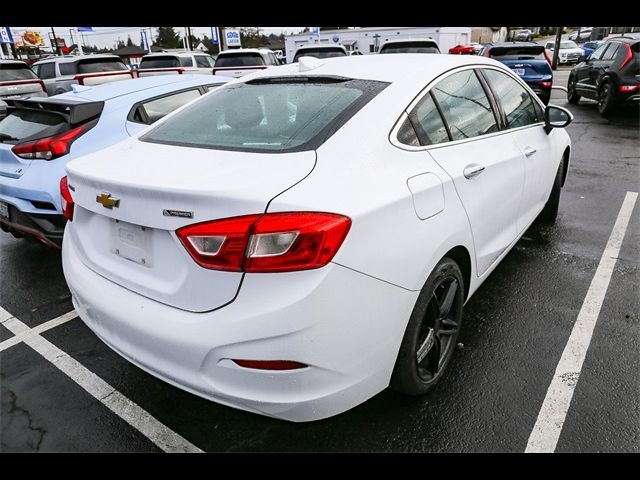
point(431, 336)
point(605, 99)
point(572, 95)
point(550, 211)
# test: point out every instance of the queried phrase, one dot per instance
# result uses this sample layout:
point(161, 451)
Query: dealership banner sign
point(5, 35)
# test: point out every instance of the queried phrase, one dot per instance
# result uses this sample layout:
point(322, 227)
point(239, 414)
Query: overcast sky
point(106, 37)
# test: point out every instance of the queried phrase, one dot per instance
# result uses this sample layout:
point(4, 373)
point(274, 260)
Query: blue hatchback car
point(529, 61)
point(40, 135)
point(590, 47)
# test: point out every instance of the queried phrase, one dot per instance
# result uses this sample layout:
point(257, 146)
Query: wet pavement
point(514, 332)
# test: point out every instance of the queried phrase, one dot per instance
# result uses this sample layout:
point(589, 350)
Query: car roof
point(108, 91)
point(623, 39)
point(14, 62)
point(245, 50)
point(385, 68)
point(75, 58)
point(173, 54)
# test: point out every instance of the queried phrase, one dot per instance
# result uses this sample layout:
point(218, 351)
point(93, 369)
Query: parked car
point(584, 34)
point(298, 270)
point(320, 51)
point(530, 61)
point(569, 51)
point(610, 75)
point(241, 61)
point(590, 47)
point(466, 49)
point(175, 64)
point(523, 36)
point(40, 135)
point(17, 79)
point(410, 45)
point(59, 73)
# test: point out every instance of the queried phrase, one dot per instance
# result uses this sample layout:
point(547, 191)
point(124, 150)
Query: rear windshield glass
point(275, 115)
point(15, 71)
point(100, 65)
point(518, 53)
point(160, 62)
point(239, 60)
point(320, 53)
point(410, 47)
point(23, 124)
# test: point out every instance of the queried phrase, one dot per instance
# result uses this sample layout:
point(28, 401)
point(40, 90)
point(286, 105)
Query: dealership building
point(369, 40)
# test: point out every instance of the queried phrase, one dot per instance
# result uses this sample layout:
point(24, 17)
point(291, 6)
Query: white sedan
point(302, 238)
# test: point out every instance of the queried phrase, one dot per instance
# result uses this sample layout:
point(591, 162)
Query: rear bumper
point(346, 326)
point(48, 228)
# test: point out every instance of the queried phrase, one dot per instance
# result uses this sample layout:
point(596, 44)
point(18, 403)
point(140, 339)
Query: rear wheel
point(605, 99)
point(432, 333)
point(572, 95)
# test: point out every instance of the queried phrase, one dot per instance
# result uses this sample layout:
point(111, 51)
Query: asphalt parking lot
point(63, 390)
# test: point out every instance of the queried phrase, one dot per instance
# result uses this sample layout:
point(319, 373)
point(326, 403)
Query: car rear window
point(239, 60)
point(267, 115)
point(160, 62)
point(410, 47)
point(319, 53)
point(100, 65)
point(26, 124)
point(15, 71)
point(518, 53)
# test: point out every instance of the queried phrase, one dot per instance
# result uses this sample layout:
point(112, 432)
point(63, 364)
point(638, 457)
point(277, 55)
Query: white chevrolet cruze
point(300, 239)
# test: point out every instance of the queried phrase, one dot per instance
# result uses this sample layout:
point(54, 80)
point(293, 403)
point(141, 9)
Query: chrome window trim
point(393, 135)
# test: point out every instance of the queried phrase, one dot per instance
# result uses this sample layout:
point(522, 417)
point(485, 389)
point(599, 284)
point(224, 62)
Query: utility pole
point(55, 41)
point(556, 48)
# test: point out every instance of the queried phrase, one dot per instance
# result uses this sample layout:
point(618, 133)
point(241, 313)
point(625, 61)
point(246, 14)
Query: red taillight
point(628, 56)
point(67, 200)
point(44, 88)
point(628, 88)
point(545, 84)
point(270, 364)
point(546, 55)
point(273, 242)
point(48, 148)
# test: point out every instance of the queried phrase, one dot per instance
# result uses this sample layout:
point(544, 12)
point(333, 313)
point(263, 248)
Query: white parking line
point(130, 412)
point(553, 412)
point(43, 327)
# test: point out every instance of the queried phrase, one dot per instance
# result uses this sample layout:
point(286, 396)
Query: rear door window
point(47, 70)
point(167, 61)
point(67, 68)
point(26, 124)
point(204, 61)
point(239, 60)
point(514, 99)
point(99, 65)
point(428, 122)
point(465, 105)
point(597, 55)
point(611, 52)
point(153, 110)
point(15, 71)
point(186, 62)
point(267, 115)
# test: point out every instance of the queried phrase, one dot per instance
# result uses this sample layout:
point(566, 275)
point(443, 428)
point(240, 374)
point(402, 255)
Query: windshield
point(160, 62)
point(410, 47)
point(99, 65)
point(518, 53)
point(267, 115)
point(15, 71)
point(239, 60)
point(568, 44)
point(319, 53)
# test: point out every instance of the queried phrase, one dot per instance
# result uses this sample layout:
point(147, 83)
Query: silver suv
point(59, 73)
point(17, 79)
point(176, 63)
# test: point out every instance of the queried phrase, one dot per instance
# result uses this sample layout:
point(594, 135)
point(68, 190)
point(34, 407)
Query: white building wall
point(368, 40)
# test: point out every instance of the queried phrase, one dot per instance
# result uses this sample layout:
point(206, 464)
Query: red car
point(468, 49)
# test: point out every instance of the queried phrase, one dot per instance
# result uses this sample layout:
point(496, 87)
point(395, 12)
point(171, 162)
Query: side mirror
point(556, 117)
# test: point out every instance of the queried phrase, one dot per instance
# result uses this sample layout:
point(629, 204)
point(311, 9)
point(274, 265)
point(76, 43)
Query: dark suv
point(610, 75)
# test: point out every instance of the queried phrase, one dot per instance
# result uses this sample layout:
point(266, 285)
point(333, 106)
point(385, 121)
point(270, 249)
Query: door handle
point(528, 151)
point(472, 171)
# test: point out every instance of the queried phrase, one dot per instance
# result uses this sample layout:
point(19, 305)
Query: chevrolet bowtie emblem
point(107, 200)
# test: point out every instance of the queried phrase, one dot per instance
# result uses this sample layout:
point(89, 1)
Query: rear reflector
point(270, 364)
point(628, 88)
point(273, 242)
point(67, 200)
point(545, 84)
point(49, 148)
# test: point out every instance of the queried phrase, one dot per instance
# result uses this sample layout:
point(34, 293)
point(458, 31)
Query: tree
point(129, 41)
point(167, 38)
point(120, 44)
